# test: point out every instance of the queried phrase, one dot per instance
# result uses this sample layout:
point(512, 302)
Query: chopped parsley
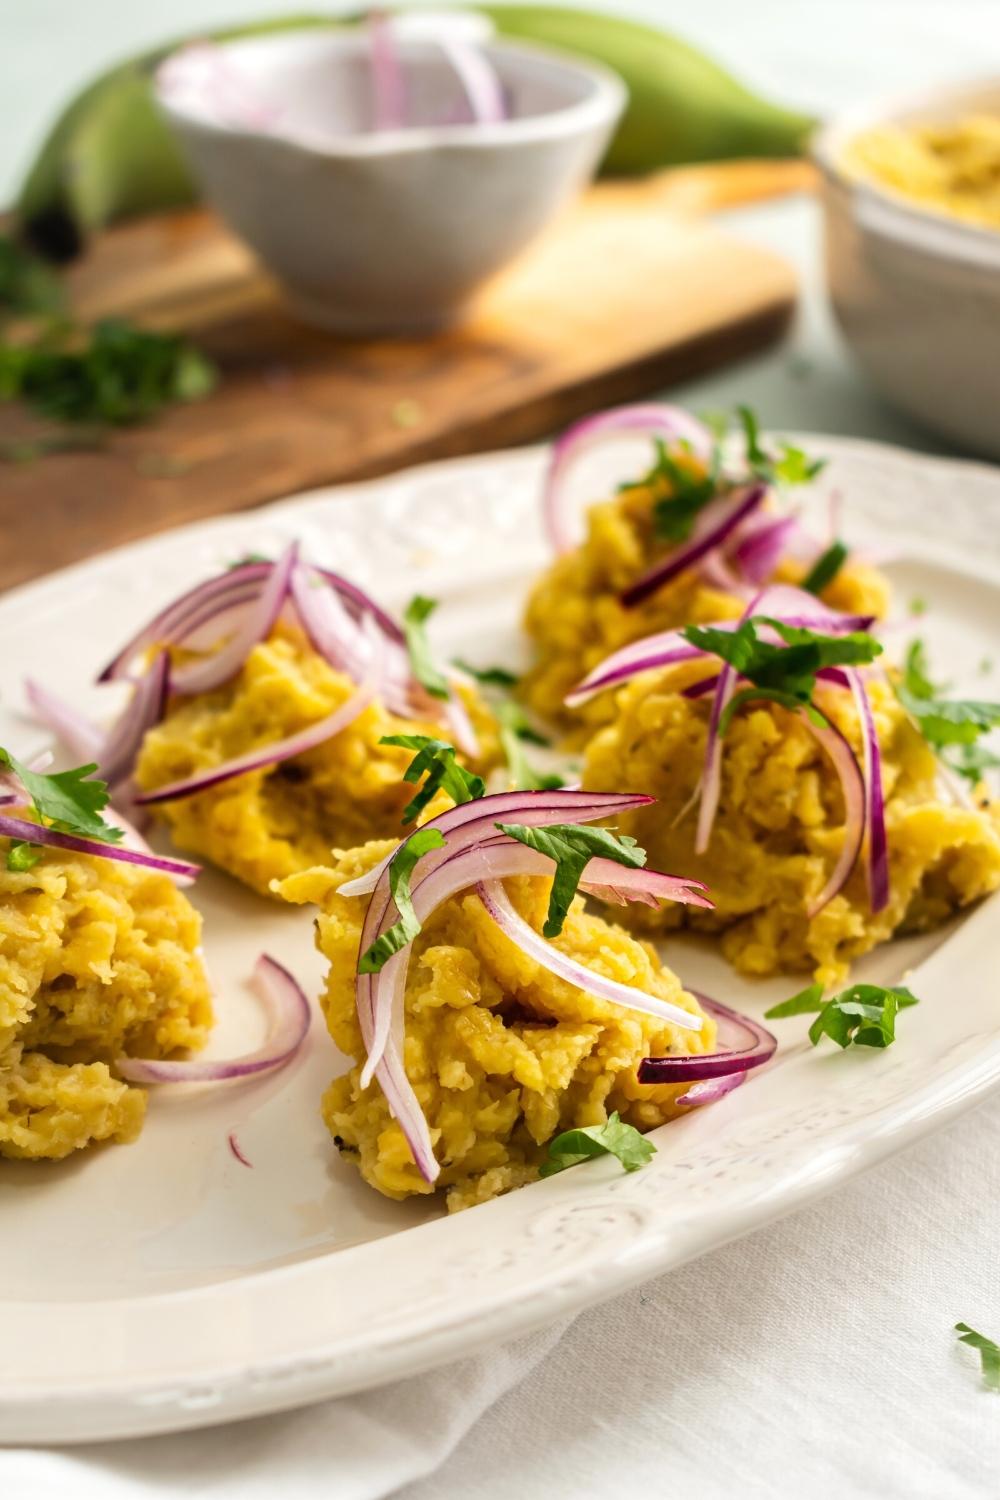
point(64, 800)
point(792, 465)
point(825, 569)
point(951, 726)
point(425, 669)
point(782, 674)
point(115, 375)
point(514, 731)
point(863, 1015)
point(436, 761)
point(614, 1138)
point(403, 931)
point(989, 1351)
point(690, 490)
point(572, 846)
point(497, 677)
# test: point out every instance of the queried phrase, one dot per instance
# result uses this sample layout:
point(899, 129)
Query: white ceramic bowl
point(917, 293)
point(389, 230)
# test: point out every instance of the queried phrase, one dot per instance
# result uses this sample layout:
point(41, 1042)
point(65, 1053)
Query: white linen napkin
point(814, 1358)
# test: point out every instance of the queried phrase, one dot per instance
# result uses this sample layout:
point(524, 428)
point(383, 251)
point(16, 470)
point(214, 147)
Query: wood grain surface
point(630, 291)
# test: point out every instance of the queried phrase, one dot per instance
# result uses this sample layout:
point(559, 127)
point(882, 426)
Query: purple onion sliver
point(717, 521)
point(756, 1046)
point(711, 1089)
point(36, 833)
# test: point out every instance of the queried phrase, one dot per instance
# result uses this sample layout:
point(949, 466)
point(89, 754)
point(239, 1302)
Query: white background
point(815, 1357)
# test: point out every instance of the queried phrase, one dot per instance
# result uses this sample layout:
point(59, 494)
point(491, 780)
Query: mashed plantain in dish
point(780, 824)
point(575, 616)
point(98, 959)
point(501, 1053)
point(273, 821)
point(952, 167)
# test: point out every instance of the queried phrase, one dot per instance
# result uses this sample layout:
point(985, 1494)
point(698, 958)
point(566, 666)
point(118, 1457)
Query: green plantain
point(111, 156)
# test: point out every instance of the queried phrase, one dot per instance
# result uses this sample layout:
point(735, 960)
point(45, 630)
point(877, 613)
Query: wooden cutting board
point(631, 290)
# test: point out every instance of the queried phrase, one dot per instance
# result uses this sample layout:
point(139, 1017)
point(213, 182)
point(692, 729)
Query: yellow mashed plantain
point(953, 168)
point(97, 960)
point(269, 823)
point(575, 618)
point(502, 1054)
point(779, 826)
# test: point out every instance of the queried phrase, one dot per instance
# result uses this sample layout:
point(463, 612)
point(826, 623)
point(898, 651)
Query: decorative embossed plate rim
point(328, 1323)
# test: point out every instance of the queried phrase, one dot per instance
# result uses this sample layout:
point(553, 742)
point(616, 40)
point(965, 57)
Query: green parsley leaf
point(916, 671)
point(401, 869)
point(971, 761)
point(614, 1138)
point(989, 1353)
point(863, 1015)
point(425, 669)
point(825, 569)
point(572, 846)
point(949, 721)
point(247, 559)
point(435, 759)
point(498, 677)
point(717, 423)
point(783, 674)
point(66, 799)
point(27, 284)
point(118, 375)
point(674, 514)
point(792, 465)
point(22, 856)
point(514, 731)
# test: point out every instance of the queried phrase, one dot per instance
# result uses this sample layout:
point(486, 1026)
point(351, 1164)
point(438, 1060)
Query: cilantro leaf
point(690, 490)
point(66, 799)
point(27, 284)
point(792, 465)
point(498, 677)
point(401, 869)
point(916, 671)
point(119, 374)
point(786, 673)
point(614, 1138)
point(514, 730)
point(425, 669)
point(22, 856)
point(435, 759)
point(949, 721)
point(572, 846)
point(971, 761)
point(863, 1015)
point(825, 569)
point(989, 1353)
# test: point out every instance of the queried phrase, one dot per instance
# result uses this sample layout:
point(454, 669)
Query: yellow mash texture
point(780, 825)
point(272, 822)
point(575, 619)
point(97, 960)
point(502, 1054)
point(953, 168)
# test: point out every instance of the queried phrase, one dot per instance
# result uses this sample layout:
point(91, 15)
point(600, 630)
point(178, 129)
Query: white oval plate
point(165, 1285)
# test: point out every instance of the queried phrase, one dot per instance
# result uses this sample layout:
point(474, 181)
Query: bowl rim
point(605, 102)
point(886, 210)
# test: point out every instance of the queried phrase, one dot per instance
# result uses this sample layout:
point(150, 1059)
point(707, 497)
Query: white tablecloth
point(816, 1357)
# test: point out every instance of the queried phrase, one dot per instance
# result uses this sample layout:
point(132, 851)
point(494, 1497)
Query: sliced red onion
point(237, 1150)
point(478, 78)
point(878, 848)
point(647, 420)
point(758, 553)
point(149, 699)
point(853, 786)
point(748, 1044)
point(711, 775)
point(388, 82)
point(288, 1024)
point(70, 727)
point(718, 574)
point(460, 724)
point(711, 1089)
point(716, 522)
point(282, 750)
point(36, 833)
point(665, 649)
point(203, 676)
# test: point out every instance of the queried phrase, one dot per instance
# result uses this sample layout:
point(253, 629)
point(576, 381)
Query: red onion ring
point(759, 551)
point(388, 82)
point(878, 848)
point(750, 1046)
point(288, 1024)
point(68, 725)
point(36, 833)
point(282, 750)
point(203, 676)
point(476, 74)
point(716, 522)
point(148, 701)
point(645, 420)
point(711, 1089)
